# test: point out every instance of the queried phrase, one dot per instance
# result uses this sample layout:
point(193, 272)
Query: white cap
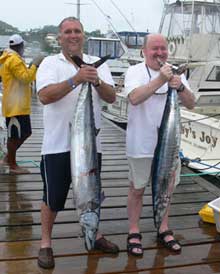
point(15, 39)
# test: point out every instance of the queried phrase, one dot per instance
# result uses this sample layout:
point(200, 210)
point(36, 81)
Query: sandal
point(168, 244)
point(131, 246)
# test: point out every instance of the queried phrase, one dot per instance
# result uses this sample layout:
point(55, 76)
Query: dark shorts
point(19, 127)
point(56, 175)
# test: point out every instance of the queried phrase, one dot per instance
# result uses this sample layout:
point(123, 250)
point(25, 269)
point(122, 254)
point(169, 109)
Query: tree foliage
point(39, 34)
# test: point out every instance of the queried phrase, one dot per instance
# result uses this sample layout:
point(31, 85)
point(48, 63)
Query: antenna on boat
point(107, 17)
point(122, 14)
point(78, 4)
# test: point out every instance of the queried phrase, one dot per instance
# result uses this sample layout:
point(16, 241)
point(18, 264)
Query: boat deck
point(20, 228)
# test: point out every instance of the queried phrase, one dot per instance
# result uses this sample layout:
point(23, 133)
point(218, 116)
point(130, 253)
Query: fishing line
point(200, 119)
point(122, 14)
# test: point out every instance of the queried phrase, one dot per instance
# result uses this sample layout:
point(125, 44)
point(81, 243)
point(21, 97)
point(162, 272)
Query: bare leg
point(12, 146)
point(134, 208)
point(164, 224)
point(47, 220)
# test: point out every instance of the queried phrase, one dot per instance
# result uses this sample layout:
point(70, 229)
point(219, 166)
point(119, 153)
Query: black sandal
point(131, 246)
point(168, 244)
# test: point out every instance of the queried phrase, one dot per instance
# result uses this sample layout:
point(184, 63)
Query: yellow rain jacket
point(16, 81)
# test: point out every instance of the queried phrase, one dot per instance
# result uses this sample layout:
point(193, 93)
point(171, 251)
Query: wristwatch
point(71, 83)
point(181, 88)
point(98, 83)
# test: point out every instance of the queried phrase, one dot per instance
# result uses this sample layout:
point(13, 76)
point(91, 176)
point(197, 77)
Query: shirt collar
point(61, 56)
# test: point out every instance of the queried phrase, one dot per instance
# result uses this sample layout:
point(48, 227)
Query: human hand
point(166, 72)
point(175, 82)
point(37, 60)
point(87, 74)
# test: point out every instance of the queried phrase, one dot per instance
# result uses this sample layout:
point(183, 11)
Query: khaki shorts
point(140, 171)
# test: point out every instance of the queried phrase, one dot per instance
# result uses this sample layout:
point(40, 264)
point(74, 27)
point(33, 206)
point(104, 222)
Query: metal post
point(78, 9)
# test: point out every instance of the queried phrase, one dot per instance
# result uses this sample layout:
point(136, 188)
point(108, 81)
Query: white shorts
point(140, 171)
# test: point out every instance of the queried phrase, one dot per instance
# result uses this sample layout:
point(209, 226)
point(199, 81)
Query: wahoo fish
point(166, 158)
point(85, 172)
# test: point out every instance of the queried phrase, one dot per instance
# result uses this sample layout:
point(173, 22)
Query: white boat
point(192, 29)
point(193, 32)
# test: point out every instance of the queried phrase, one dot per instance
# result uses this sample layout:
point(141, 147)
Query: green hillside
point(6, 28)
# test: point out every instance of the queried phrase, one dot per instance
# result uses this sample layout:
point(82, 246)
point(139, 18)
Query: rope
point(187, 160)
point(29, 161)
point(204, 118)
point(200, 174)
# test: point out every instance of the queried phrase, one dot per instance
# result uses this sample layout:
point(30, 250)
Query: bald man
point(146, 86)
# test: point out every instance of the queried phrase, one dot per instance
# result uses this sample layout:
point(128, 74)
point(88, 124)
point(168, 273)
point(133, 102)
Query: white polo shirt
point(144, 119)
point(57, 116)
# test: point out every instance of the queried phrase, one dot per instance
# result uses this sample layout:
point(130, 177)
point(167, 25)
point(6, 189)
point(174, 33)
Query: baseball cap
point(15, 39)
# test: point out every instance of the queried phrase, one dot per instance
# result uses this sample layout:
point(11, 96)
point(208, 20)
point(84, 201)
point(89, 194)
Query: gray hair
point(71, 18)
point(145, 40)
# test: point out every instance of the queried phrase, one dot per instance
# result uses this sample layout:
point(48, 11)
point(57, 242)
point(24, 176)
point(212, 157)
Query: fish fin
point(101, 61)
point(79, 62)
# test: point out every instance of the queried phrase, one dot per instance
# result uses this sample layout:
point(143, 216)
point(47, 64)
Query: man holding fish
point(59, 83)
point(146, 85)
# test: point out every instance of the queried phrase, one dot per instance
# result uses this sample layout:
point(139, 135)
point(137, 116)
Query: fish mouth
point(160, 62)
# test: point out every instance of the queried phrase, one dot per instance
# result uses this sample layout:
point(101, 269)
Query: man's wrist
point(181, 88)
point(71, 83)
point(97, 83)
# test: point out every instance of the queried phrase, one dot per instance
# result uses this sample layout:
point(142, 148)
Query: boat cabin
point(192, 29)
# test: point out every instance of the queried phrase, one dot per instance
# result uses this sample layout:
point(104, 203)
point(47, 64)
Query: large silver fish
point(84, 163)
point(166, 155)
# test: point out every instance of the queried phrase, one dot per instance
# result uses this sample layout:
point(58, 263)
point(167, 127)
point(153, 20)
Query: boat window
point(214, 74)
point(212, 19)
point(119, 51)
point(140, 41)
point(101, 47)
point(93, 47)
point(133, 39)
point(178, 19)
point(107, 48)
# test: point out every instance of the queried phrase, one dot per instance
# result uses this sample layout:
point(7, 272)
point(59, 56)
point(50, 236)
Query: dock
point(20, 225)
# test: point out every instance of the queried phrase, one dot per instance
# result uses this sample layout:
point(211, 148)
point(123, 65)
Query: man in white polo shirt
point(146, 86)
point(59, 81)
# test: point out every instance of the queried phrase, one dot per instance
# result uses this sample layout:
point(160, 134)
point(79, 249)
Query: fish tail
point(89, 222)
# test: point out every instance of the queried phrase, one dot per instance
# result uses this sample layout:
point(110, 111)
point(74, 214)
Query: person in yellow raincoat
point(16, 101)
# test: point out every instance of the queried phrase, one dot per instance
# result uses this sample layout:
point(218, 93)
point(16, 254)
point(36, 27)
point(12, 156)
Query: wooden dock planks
point(20, 228)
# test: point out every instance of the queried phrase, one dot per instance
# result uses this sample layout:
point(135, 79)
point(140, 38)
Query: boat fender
point(171, 48)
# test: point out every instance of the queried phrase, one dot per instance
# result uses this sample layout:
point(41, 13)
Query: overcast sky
point(26, 14)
